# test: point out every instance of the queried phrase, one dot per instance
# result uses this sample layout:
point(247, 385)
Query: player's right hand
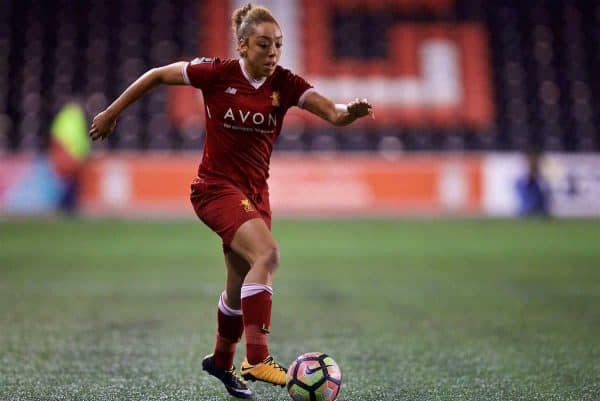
point(102, 126)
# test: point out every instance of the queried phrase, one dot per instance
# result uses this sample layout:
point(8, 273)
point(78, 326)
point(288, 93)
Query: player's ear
point(243, 46)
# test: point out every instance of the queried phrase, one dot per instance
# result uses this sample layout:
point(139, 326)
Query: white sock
point(226, 309)
point(251, 289)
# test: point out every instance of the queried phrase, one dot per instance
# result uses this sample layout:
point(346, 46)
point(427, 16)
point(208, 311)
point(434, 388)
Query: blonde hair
point(245, 18)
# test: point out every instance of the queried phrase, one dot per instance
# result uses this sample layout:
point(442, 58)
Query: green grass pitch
point(410, 309)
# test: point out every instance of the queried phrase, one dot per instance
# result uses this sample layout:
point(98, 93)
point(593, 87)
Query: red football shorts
point(224, 208)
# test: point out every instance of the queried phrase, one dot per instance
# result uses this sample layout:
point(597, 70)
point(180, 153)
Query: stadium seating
point(543, 58)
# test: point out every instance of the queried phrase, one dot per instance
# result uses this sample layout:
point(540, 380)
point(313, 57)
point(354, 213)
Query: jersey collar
point(256, 83)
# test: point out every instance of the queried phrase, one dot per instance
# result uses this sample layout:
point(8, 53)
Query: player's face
point(263, 49)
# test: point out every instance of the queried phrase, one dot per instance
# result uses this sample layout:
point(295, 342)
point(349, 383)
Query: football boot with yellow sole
point(267, 371)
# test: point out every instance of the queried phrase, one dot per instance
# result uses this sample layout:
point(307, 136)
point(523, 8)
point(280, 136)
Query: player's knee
point(270, 257)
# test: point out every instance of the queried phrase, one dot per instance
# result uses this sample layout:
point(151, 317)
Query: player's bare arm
point(339, 115)
point(104, 123)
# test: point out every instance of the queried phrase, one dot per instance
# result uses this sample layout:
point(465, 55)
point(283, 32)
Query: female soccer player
point(245, 102)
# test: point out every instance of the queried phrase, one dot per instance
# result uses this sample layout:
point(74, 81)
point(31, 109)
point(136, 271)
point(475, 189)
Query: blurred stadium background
point(471, 97)
point(462, 90)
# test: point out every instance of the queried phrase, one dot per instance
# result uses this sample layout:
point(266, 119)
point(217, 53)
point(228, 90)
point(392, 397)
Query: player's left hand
point(360, 108)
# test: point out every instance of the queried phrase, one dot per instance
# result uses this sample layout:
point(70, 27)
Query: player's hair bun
point(238, 17)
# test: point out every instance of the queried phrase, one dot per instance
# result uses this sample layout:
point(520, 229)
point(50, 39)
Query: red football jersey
point(243, 118)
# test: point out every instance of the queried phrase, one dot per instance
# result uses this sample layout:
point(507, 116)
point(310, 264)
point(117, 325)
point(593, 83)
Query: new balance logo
point(230, 90)
point(200, 60)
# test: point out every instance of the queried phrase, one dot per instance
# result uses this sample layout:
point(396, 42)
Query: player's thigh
point(223, 208)
point(253, 239)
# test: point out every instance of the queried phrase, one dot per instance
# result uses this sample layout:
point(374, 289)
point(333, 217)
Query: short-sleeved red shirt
point(243, 118)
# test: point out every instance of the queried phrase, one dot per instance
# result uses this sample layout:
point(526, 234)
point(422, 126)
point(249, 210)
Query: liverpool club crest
point(275, 99)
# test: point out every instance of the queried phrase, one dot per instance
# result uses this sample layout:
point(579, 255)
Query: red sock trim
point(257, 322)
point(254, 335)
point(257, 310)
point(229, 332)
point(230, 327)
